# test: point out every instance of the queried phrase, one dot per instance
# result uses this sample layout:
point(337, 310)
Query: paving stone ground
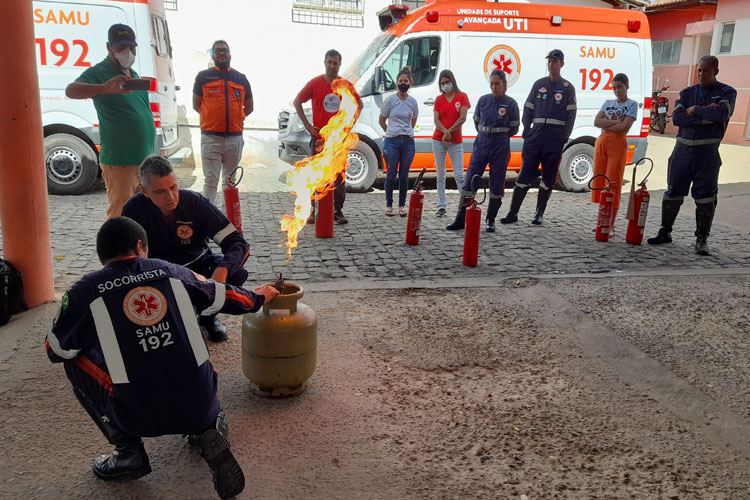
point(372, 245)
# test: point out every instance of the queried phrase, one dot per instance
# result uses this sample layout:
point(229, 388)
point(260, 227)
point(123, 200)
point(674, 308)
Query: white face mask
point(126, 58)
point(447, 87)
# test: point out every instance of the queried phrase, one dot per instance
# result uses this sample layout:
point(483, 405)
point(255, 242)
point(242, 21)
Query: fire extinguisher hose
point(235, 182)
point(418, 182)
point(473, 200)
point(608, 186)
point(643, 182)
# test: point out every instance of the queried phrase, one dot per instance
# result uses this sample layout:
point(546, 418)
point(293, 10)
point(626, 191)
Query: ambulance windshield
point(364, 60)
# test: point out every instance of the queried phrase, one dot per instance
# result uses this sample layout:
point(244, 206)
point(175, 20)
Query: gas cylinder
point(324, 214)
point(279, 345)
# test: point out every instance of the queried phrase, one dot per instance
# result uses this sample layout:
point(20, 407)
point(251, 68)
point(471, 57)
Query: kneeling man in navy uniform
point(129, 340)
point(179, 223)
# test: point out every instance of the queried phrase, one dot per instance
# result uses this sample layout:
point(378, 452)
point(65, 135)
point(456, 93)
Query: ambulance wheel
point(362, 169)
point(577, 167)
point(70, 163)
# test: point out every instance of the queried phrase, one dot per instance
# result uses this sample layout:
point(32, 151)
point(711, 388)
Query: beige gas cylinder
point(279, 345)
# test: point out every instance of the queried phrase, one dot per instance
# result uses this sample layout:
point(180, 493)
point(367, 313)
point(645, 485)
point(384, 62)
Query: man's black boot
point(669, 211)
point(212, 329)
point(125, 463)
point(213, 445)
point(338, 216)
point(519, 193)
point(460, 221)
point(704, 217)
point(492, 210)
point(541, 205)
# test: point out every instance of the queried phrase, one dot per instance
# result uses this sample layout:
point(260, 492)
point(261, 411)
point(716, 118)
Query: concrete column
point(23, 184)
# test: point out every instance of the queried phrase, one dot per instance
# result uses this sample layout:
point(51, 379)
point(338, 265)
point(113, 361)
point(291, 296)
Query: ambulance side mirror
point(379, 81)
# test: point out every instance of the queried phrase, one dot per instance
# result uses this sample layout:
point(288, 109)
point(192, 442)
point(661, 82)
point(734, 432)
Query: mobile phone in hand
point(137, 84)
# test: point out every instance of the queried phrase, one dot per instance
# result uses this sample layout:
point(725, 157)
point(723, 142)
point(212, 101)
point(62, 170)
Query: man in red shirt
point(325, 104)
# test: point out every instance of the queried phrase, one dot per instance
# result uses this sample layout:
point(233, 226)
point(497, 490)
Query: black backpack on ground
point(11, 292)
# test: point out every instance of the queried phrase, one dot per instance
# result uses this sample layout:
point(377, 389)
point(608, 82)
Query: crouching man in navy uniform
point(497, 119)
point(179, 223)
point(551, 109)
point(702, 114)
point(131, 347)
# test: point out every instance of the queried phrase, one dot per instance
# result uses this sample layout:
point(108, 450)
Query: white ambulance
point(71, 36)
point(473, 38)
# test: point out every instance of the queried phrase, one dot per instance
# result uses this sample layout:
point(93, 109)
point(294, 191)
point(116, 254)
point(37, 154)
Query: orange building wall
point(733, 69)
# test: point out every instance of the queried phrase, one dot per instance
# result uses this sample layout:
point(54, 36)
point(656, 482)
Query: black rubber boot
point(669, 211)
point(704, 217)
point(519, 193)
point(541, 205)
point(125, 463)
point(212, 329)
point(213, 445)
point(492, 210)
point(460, 215)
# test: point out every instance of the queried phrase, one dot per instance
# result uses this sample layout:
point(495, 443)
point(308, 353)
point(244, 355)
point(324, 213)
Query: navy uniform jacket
point(132, 327)
point(550, 103)
point(715, 104)
point(496, 116)
point(184, 239)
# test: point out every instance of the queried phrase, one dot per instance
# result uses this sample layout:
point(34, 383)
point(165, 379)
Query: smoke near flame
point(318, 173)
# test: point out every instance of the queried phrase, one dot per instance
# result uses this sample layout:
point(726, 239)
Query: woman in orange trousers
point(610, 154)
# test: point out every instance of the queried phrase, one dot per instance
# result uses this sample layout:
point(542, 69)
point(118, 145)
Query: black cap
point(121, 34)
point(556, 54)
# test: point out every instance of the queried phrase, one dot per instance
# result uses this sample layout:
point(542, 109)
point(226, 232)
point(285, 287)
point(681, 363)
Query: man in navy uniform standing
point(179, 223)
point(702, 114)
point(129, 340)
point(551, 109)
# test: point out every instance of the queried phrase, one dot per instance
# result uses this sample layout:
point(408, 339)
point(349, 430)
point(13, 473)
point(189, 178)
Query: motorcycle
point(659, 109)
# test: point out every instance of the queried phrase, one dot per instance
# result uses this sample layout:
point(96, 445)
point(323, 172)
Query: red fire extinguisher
point(638, 207)
point(232, 199)
point(472, 225)
point(416, 202)
point(324, 214)
point(606, 202)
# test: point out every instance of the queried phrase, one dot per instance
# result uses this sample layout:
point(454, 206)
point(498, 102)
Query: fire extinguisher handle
point(235, 182)
point(609, 183)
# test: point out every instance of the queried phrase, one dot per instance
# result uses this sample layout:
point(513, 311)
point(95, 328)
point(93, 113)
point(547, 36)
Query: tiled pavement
point(371, 246)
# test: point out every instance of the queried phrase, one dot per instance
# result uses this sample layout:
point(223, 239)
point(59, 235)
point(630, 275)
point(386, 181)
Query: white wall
point(277, 55)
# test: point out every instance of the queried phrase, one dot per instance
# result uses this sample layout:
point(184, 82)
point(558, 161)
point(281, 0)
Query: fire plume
point(318, 172)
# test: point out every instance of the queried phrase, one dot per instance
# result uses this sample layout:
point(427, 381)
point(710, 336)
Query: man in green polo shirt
point(126, 124)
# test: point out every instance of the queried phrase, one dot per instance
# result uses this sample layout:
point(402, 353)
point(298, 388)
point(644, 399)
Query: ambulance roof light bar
point(391, 15)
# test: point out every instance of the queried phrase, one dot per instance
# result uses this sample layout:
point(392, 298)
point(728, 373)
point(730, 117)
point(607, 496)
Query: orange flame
point(318, 173)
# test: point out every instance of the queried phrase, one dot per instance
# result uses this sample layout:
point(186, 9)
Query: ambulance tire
point(71, 164)
point(577, 167)
point(362, 169)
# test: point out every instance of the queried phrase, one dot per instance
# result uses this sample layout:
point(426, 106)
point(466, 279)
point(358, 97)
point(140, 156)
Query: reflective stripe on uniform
point(108, 341)
point(548, 121)
point(187, 313)
point(220, 296)
point(219, 237)
point(705, 201)
point(492, 130)
point(728, 105)
point(54, 344)
point(698, 142)
point(571, 107)
point(528, 105)
point(673, 198)
point(678, 106)
point(515, 124)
